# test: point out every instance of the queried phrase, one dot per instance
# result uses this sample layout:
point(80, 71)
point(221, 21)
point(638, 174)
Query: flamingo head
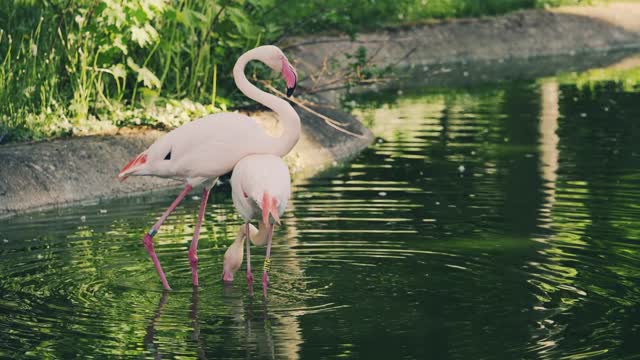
point(134, 166)
point(232, 260)
point(156, 160)
point(277, 61)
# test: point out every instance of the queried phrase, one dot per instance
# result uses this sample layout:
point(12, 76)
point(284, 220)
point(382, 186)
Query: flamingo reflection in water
point(150, 335)
point(260, 332)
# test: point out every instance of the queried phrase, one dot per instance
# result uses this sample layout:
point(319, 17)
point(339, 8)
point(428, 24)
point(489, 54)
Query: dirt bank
point(61, 172)
point(519, 35)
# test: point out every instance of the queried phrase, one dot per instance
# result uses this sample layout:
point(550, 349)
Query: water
point(495, 221)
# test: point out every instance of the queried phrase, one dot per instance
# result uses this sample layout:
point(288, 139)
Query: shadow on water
point(498, 220)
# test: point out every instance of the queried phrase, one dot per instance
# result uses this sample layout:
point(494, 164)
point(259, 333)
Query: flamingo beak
point(290, 76)
point(131, 166)
point(269, 207)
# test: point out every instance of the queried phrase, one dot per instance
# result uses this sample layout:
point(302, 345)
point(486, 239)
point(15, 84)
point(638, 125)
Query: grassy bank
point(69, 67)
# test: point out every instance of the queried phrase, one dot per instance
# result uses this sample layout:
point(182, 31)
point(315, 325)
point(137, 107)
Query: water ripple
point(483, 223)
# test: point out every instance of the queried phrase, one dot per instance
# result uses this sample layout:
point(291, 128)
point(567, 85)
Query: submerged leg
point(148, 237)
point(193, 250)
point(248, 241)
point(267, 262)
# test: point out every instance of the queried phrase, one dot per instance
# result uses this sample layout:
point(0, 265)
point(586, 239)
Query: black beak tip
point(290, 91)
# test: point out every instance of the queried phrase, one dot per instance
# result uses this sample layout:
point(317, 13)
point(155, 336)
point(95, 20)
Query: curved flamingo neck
point(258, 236)
point(287, 115)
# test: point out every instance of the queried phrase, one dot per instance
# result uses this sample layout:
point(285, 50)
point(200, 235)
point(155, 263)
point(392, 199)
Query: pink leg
point(148, 237)
point(267, 262)
point(248, 241)
point(193, 250)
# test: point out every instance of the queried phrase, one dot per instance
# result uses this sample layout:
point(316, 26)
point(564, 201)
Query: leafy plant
point(69, 65)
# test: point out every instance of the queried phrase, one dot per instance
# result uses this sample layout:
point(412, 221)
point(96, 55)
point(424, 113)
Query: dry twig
point(333, 123)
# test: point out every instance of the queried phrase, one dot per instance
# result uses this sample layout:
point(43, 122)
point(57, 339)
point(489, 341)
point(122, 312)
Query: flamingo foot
point(148, 244)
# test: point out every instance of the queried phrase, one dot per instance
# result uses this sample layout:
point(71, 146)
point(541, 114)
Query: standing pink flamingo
point(261, 186)
point(204, 149)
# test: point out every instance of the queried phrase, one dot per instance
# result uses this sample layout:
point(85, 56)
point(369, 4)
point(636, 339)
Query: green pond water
point(490, 221)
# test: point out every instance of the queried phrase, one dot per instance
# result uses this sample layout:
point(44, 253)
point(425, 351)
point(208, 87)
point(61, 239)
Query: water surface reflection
point(495, 221)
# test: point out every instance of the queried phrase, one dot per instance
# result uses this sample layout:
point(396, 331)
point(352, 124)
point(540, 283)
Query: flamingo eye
point(168, 156)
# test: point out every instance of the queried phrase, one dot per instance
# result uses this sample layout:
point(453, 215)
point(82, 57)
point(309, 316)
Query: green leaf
point(140, 36)
point(145, 75)
point(118, 71)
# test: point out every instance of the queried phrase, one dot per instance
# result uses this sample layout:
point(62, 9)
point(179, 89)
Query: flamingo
point(260, 187)
point(204, 149)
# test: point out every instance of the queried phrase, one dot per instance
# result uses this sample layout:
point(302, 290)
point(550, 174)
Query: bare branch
point(333, 123)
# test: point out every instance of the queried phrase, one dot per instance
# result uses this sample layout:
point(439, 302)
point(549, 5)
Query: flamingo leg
point(248, 241)
point(193, 250)
point(267, 262)
point(148, 237)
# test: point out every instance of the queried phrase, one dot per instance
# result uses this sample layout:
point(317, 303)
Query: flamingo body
point(257, 181)
point(205, 148)
point(210, 146)
point(261, 187)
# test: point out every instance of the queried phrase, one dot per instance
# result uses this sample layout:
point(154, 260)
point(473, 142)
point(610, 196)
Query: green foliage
point(64, 64)
point(87, 59)
point(361, 70)
point(439, 9)
point(626, 78)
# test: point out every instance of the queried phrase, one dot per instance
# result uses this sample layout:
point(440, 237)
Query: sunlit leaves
point(119, 43)
point(114, 14)
point(152, 8)
point(143, 35)
point(145, 75)
point(119, 71)
point(140, 36)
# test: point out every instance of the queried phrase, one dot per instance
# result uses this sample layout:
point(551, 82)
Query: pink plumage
point(204, 149)
point(261, 187)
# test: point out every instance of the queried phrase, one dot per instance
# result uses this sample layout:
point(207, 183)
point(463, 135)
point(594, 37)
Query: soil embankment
point(65, 171)
point(328, 60)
